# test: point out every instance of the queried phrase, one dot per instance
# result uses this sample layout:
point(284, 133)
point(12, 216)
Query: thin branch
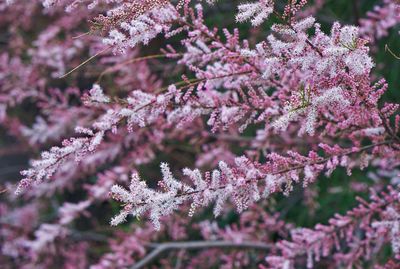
point(79, 36)
point(85, 62)
point(197, 81)
point(138, 59)
point(286, 170)
point(159, 248)
point(391, 52)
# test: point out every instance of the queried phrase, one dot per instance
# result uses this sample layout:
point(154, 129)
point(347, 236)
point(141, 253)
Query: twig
point(85, 62)
point(79, 36)
point(138, 59)
point(159, 248)
point(391, 52)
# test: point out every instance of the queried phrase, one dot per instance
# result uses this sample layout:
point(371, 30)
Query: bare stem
point(138, 59)
point(85, 62)
point(391, 52)
point(160, 248)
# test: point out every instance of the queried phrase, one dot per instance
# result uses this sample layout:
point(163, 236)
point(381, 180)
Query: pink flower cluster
point(98, 93)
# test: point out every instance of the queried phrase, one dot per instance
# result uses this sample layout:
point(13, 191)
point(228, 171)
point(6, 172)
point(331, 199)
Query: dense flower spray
point(245, 126)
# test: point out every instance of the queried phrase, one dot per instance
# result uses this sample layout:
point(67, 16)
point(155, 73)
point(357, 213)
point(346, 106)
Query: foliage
point(266, 119)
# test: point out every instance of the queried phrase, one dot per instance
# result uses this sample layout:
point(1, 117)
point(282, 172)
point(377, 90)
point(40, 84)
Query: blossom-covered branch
point(240, 182)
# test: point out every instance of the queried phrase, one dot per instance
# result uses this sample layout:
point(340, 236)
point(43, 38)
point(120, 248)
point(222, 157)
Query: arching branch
point(159, 248)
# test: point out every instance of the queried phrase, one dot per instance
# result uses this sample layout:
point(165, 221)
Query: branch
point(278, 172)
point(391, 52)
point(298, 167)
point(159, 248)
point(85, 62)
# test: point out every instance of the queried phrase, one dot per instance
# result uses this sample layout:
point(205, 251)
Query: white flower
point(348, 35)
point(359, 62)
point(256, 12)
point(97, 95)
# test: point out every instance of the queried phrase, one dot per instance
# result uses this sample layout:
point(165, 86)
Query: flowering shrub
point(276, 134)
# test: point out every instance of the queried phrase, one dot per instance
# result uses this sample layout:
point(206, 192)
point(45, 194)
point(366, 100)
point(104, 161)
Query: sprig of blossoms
point(143, 28)
point(362, 229)
point(240, 182)
point(256, 12)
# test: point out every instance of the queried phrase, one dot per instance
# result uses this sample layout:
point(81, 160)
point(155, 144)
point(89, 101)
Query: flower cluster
point(339, 236)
